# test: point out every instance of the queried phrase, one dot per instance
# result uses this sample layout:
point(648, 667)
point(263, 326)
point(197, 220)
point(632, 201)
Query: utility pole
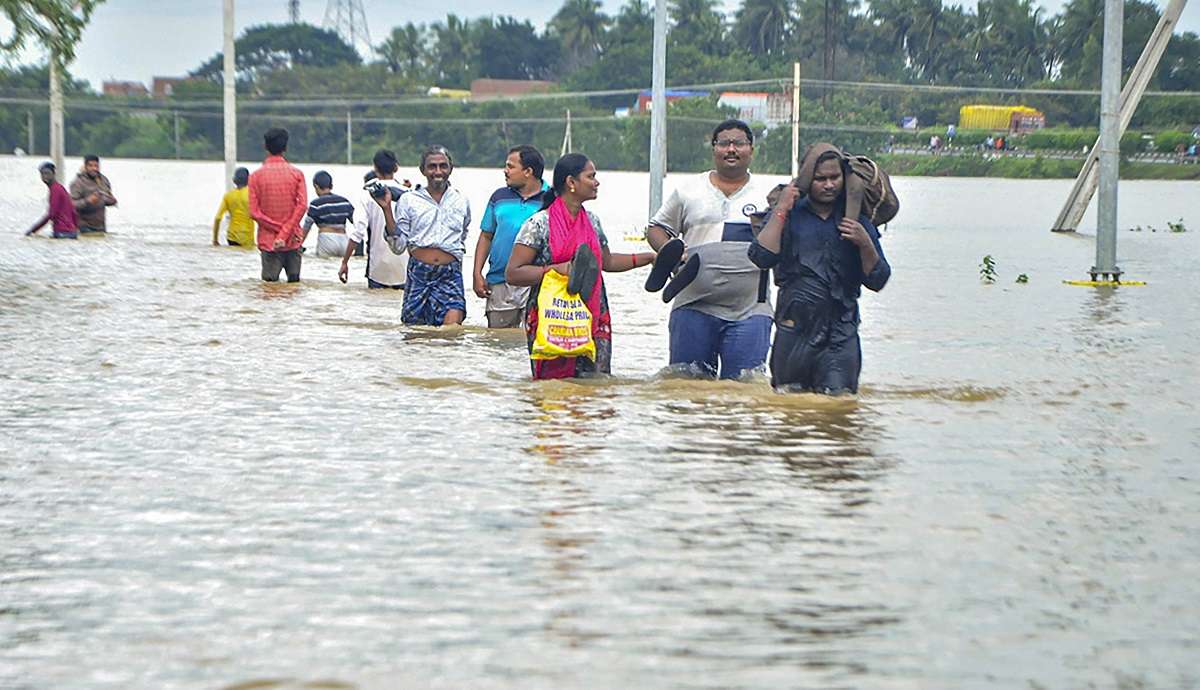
point(658, 107)
point(567, 144)
point(349, 139)
point(294, 11)
point(57, 133)
point(176, 113)
point(1110, 141)
point(29, 130)
point(795, 119)
point(348, 19)
point(1084, 189)
point(230, 98)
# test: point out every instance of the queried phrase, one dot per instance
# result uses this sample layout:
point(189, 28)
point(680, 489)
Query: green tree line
point(1003, 43)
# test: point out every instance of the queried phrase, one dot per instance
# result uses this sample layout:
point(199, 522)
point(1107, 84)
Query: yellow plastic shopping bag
point(564, 327)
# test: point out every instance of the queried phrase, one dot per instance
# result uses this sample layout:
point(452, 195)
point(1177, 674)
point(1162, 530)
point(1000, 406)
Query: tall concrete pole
point(349, 139)
point(230, 98)
point(658, 107)
point(29, 131)
point(1084, 189)
point(1110, 142)
point(57, 132)
point(795, 119)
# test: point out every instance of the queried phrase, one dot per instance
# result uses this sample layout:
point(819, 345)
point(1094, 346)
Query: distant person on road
point(372, 217)
point(278, 200)
point(431, 225)
point(821, 261)
point(507, 210)
point(329, 212)
point(235, 203)
point(91, 192)
point(61, 211)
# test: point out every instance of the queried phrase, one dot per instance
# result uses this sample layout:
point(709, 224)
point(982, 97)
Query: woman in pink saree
point(567, 238)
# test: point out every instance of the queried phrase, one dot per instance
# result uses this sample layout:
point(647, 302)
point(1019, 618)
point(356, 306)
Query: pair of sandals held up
point(670, 261)
point(585, 271)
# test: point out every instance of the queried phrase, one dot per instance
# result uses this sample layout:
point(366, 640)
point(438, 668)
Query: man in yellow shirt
point(236, 203)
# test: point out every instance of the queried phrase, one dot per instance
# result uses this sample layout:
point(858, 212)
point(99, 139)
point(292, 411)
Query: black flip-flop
point(585, 271)
point(682, 279)
point(665, 263)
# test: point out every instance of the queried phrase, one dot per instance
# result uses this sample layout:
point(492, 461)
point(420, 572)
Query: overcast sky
point(139, 39)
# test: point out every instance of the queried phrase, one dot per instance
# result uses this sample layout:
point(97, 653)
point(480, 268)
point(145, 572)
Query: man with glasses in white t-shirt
point(721, 315)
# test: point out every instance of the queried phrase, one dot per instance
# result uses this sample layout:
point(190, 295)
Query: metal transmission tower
point(347, 19)
point(294, 11)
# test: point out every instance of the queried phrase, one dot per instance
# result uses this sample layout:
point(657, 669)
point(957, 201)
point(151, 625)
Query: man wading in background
point(61, 211)
point(329, 212)
point(278, 201)
point(373, 217)
point(507, 210)
point(236, 203)
point(91, 192)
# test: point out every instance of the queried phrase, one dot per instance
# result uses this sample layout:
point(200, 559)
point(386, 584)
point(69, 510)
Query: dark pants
point(797, 363)
point(274, 262)
point(65, 234)
point(382, 286)
point(88, 230)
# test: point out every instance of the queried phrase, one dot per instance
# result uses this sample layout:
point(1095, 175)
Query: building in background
point(127, 89)
point(484, 89)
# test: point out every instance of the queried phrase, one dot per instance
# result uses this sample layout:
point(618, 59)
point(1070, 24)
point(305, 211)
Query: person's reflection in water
point(827, 442)
point(831, 447)
point(569, 423)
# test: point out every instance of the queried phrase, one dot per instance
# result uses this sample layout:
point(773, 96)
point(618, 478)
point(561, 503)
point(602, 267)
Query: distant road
point(1060, 154)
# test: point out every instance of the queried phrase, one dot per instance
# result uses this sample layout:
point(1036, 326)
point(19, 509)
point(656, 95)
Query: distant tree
point(281, 46)
point(56, 24)
point(453, 56)
point(1076, 39)
point(580, 27)
point(1180, 68)
point(1009, 41)
point(405, 49)
point(763, 27)
point(634, 24)
point(697, 23)
point(509, 49)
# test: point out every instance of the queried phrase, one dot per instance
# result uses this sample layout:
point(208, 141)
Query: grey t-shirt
point(716, 228)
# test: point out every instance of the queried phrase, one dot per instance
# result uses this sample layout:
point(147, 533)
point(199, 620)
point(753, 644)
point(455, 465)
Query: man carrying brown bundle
point(822, 259)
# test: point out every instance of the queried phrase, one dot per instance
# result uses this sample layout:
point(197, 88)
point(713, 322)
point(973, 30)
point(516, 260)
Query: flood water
point(208, 482)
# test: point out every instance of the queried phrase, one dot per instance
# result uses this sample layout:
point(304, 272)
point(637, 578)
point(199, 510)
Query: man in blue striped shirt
point(329, 212)
point(507, 210)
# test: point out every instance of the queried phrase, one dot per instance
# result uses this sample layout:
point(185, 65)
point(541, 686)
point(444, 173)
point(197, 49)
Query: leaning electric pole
point(347, 19)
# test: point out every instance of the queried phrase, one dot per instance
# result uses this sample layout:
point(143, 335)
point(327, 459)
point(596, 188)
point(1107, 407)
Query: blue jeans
point(700, 339)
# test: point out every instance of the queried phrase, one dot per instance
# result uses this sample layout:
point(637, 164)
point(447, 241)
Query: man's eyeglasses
point(736, 143)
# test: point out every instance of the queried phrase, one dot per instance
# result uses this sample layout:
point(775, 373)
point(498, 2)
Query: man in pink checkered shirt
point(278, 200)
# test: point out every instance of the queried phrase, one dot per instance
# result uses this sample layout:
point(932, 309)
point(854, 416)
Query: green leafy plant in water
point(987, 269)
point(1176, 227)
point(1022, 279)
